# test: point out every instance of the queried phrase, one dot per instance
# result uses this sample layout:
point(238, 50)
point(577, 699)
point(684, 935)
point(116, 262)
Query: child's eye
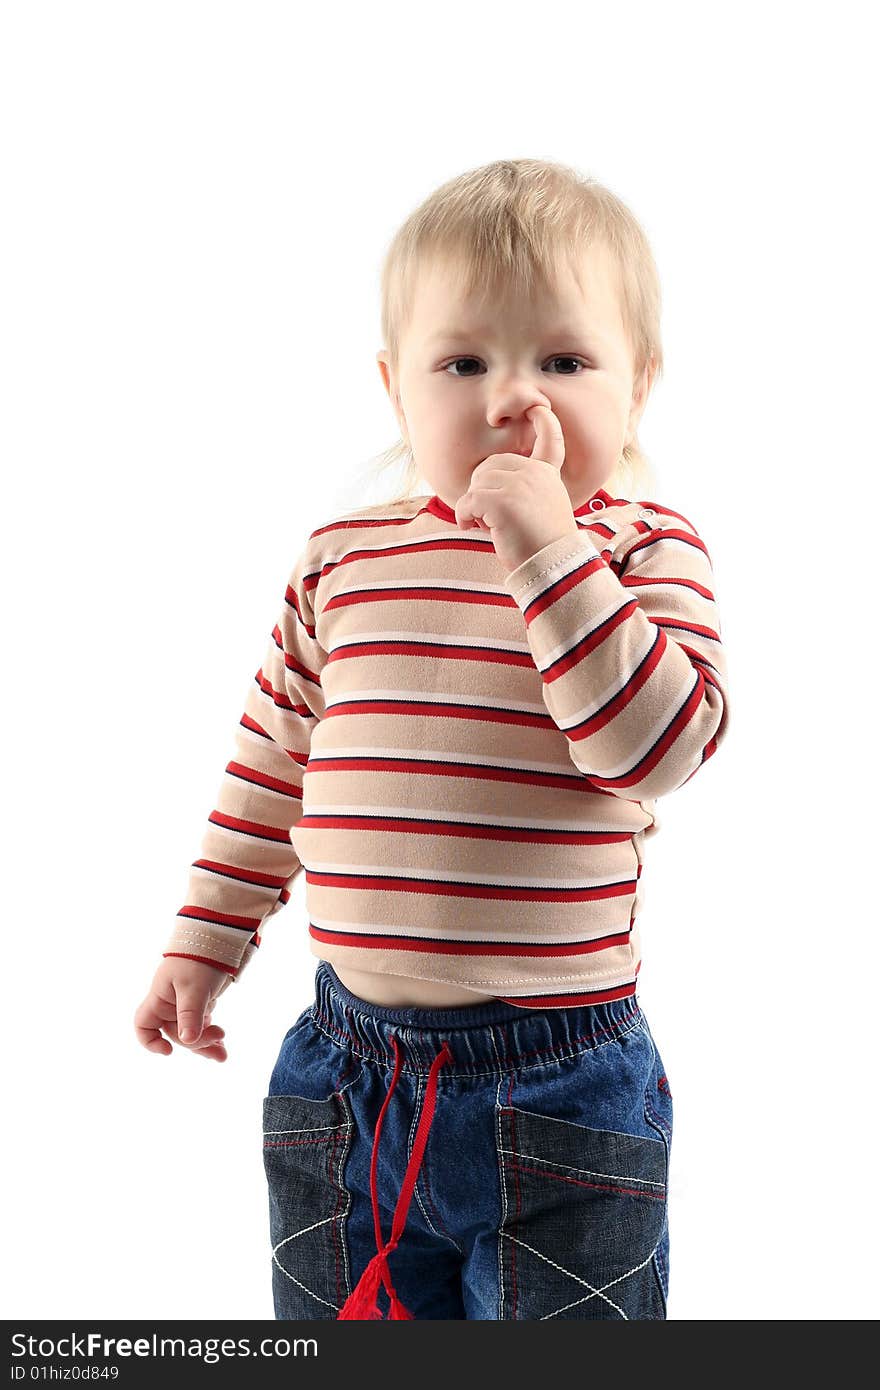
point(578, 362)
point(455, 362)
point(566, 358)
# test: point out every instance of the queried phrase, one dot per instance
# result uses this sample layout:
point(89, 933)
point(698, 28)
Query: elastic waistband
point(485, 1040)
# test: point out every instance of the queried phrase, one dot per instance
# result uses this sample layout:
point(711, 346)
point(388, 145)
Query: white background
point(197, 199)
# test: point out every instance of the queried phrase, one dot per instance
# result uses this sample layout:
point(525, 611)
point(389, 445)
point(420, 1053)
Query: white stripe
point(443, 755)
point(425, 582)
point(343, 808)
point(353, 542)
point(517, 937)
point(440, 639)
point(472, 879)
point(431, 697)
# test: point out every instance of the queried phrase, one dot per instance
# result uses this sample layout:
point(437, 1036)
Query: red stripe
point(291, 597)
point(280, 698)
point(521, 894)
point(205, 960)
point(419, 826)
point(441, 947)
point(408, 548)
point(698, 657)
point(207, 914)
point(248, 722)
point(669, 533)
point(645, 581)
point(291, 662)
point(427, 768)
point(421, 593)
point(277, 834)
point(261, 880)
point(442, 650)
point(568, 1001)
point(262, 779)
point(367, 522)
point(441, 710)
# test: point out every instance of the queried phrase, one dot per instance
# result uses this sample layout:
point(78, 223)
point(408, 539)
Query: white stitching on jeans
point(499, 1140)
point(588, 1172)
point(551, 1119)
point(311, 1129)
point(342, 1218)
point(290, 1276)
point(578, 1301)
point(571, 1275)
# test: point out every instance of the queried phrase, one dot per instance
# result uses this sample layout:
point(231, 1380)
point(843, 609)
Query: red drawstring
point(363, 1301)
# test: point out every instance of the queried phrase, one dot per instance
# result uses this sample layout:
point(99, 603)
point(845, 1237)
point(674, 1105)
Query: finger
point(148, 1021)
point(152, 1040)
point(477, 508)
point(469, 512)
point(207, 1037)
point(464, 512)
point(210, 1044)
point(215, 1048)
point(549, 439)
point(190, 1016)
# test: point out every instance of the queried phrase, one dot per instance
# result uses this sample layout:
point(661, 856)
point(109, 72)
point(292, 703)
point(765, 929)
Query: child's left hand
point(521, 501)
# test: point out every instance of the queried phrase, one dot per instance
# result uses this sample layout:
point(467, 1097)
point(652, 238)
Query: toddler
point(469, 705)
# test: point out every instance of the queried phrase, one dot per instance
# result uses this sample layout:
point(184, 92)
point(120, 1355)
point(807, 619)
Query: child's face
point(464, 395)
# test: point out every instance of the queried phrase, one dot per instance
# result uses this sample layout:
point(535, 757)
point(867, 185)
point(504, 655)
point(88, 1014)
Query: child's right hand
point(182, 996)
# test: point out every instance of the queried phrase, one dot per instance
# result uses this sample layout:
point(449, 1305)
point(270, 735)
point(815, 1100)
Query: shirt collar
point(597, 503)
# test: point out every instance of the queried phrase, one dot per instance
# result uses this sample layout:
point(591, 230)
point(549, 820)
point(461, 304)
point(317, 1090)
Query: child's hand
point(182, 997)
point(522, 502)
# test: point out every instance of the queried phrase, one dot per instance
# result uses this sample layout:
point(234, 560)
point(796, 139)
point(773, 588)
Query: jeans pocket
point(305, 1146)
point(583, 1210)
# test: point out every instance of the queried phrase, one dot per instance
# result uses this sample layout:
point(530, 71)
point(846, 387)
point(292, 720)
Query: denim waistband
point(490, 1037)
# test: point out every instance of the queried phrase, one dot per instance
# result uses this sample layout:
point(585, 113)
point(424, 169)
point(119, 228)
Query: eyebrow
point(565, 331)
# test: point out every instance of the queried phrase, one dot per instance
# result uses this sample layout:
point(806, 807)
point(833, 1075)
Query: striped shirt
point(466, 762)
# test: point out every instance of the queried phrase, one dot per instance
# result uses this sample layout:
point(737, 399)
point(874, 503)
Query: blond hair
point(508, 226)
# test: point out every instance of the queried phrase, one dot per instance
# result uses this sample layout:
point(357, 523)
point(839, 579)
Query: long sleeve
point(247, 863)
point(629, 651)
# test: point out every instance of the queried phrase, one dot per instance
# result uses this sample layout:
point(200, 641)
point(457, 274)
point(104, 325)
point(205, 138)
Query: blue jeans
point(479, 1163)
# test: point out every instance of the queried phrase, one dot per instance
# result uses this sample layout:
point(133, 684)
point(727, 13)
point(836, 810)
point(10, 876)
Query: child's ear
point(391, 387)
point(641, 391)
point(385, 372)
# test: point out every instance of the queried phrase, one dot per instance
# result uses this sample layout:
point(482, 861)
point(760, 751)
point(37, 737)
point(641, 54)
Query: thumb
point(190, 1017)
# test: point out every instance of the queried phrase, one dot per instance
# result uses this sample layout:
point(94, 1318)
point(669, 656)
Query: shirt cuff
point(528, 576)
point(228, 947)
